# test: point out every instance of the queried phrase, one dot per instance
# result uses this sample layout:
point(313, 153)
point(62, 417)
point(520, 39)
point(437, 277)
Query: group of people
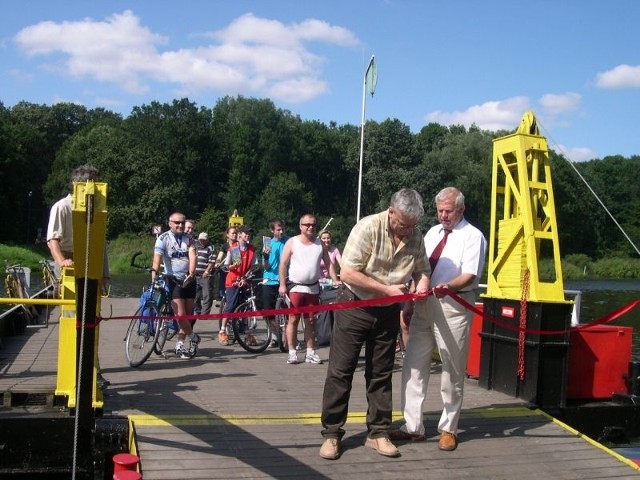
point(293, 268)
point(386, 256)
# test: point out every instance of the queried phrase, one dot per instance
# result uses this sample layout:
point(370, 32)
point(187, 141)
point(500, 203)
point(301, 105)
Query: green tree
point(286, 198)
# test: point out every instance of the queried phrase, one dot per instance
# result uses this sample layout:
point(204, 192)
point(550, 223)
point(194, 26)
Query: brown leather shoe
point(401, 435)
point(383, 446)
point(330, 448)
point(448, 441)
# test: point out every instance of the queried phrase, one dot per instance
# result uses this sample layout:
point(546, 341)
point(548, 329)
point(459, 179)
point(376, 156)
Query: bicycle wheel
point(167, 330)
point(253, 333)
point(281, 323)
point(142, 335)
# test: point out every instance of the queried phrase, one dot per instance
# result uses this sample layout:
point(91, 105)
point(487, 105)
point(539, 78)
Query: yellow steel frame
point(89, 216)
point(523, 218)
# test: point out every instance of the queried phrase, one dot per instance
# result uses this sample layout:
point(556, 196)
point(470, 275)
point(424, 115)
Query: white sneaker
point(292, 359)
point(312, 358)
point(181, 351)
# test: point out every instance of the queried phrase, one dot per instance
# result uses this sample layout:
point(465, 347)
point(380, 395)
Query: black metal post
point(84, 367)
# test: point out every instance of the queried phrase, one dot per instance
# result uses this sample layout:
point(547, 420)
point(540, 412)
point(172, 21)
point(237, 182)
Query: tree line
point(246, 154)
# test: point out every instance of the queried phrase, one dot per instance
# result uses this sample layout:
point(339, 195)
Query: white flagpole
point(364, 101)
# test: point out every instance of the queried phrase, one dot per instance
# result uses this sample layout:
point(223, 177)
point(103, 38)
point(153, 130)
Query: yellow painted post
point(89, 228)
point(66, 378)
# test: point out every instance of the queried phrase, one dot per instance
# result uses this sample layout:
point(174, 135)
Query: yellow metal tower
point(518, 356)
point(523, 217)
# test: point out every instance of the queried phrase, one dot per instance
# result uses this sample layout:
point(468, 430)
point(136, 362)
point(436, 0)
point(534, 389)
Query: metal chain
point(523, 324)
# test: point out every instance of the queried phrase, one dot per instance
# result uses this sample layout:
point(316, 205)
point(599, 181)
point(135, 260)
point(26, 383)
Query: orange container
point(473, 359)
point(598, 361)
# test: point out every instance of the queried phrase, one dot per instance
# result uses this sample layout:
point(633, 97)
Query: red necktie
point(435, 256)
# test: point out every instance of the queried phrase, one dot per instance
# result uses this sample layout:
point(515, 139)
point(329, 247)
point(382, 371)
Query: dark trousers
point(376, 328)
point(204, 295)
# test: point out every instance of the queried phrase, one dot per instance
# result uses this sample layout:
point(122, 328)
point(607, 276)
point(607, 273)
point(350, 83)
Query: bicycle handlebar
point(247, 277)
point(135, 265)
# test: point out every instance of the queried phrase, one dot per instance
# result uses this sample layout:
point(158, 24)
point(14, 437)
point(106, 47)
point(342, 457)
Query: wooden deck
point(229, 414)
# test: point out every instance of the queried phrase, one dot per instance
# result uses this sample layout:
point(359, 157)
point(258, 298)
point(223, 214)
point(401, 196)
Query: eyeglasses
point(308, 225)
point(403, 226)
point(177, 223)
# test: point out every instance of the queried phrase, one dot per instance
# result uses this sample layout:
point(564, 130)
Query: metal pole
point(364, 101)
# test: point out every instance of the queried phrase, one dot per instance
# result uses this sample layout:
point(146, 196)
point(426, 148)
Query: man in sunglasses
point(384, 252)
point(300, 265)
point(176, 250)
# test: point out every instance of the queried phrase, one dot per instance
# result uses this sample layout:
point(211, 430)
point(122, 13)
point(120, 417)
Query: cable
point(571, 163)
point(79, 362)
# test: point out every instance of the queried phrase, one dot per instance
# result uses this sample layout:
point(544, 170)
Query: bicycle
point(15, 284)
point(151, 327)
point(253, 333)
point(51, 278)
point(281, 320)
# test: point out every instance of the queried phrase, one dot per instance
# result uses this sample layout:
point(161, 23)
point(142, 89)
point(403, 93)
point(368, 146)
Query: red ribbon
point(325, 307)
point(386, 301)
point(606, 319)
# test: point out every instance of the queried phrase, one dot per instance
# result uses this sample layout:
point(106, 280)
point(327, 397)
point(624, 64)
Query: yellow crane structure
point(523, 229)
point(523, 217)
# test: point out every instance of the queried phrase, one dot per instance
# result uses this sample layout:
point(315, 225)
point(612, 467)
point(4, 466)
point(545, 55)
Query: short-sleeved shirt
point(270, 275)
point(370, 250)
point(464, 252)
point(61, 226)
point(206, 255)
point(175, 253)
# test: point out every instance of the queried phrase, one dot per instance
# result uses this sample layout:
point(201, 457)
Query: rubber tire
point(261, 327)
point(142, 336)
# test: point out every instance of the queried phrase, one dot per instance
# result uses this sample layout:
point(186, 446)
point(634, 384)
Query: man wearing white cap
point(204, 280)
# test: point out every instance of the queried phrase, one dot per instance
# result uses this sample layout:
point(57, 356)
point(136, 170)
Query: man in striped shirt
point(384, 252)
point(204, 281)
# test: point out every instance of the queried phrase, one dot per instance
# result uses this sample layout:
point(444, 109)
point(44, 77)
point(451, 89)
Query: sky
point(574, 63)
